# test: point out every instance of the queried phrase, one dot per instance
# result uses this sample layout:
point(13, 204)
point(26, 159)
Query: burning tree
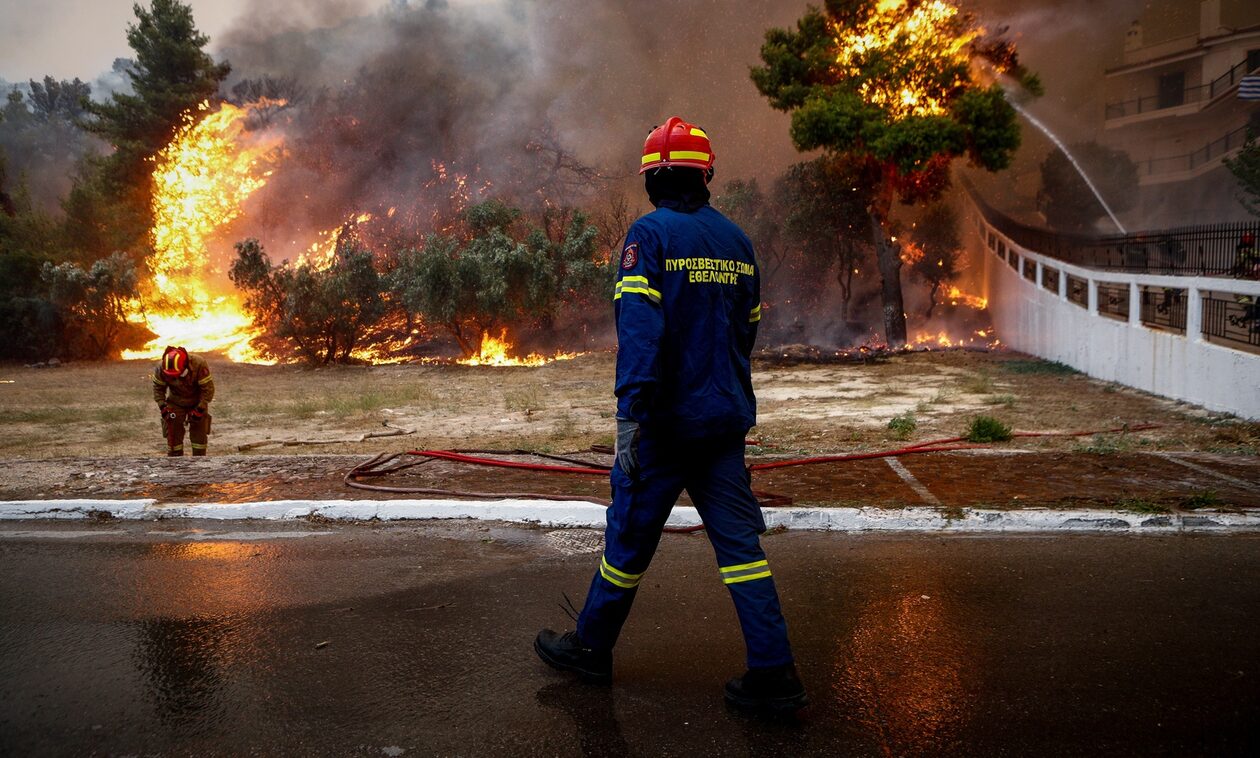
point(934, 254)
point(319, 314)
point(172, 75)
point(894, 84)
point(473, 284)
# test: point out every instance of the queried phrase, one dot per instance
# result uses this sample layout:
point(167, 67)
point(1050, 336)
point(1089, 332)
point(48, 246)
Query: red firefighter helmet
point(174, 362)
point(677, 143)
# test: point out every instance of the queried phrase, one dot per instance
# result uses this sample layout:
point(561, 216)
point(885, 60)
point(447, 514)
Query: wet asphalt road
point(310, 639)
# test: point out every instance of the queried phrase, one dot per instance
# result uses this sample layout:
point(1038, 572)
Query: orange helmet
point(174, 362)
point(677, 143)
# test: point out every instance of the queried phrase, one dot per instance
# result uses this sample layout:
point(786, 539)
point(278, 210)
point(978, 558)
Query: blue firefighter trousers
point(712, 472)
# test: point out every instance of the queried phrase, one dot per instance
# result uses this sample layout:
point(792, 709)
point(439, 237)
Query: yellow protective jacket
point(192, 389)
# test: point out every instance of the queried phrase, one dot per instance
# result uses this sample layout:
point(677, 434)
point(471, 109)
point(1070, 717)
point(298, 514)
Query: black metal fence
point(1164, 307)
point(1210, 250)
point(1078, 291)
point(1050, 279)
point(1233, 320)
point(1113, 300)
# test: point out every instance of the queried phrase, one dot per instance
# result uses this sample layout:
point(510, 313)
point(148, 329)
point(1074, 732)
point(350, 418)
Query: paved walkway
point(317, 639)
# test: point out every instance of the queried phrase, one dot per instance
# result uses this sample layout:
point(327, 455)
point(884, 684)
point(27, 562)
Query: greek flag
point(1249, 87)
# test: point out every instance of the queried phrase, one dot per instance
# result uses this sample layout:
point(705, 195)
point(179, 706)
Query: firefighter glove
point(628, 447)
point(196, 414)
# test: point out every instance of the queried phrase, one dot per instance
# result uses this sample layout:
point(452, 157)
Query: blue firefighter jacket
point(687, 304)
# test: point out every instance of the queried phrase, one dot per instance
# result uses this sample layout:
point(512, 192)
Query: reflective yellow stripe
point(745, 572)
point(745, 578)
point(158, 381)
point(203, 381)
point(698, 133)
point(195, 446)
point(619, 572)
point(617, 577)
point(177, 448)
point(742, 566)
point(651, 293)
point(641, 279)
point(650, 157)
point(687, 155)
point(754, 315)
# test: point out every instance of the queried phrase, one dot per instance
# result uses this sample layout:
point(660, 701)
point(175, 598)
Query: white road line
point(909, 479)
point(1211, 472)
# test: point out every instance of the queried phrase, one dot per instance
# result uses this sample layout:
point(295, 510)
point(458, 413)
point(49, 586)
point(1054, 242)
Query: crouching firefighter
point(687, 306)
point(183, 389)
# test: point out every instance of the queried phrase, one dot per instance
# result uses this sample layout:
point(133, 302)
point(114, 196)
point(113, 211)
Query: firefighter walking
point(687, 307)
point(183, 389)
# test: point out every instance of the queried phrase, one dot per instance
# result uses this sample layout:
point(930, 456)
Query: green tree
point(936, 236)
point(172, 75)
point(825, 202)
point(893, 84)
point(41, 138)
point(490, 274)
point(761, 218)
point(319, 315)
point(1066, 200)
point(1246, 169)
point(92, 304)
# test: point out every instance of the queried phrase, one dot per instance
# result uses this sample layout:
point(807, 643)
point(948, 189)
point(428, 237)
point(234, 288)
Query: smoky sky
point(470, 81)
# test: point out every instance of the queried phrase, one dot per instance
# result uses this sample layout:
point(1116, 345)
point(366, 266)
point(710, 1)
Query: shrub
point(987, 429)
point(902, 426)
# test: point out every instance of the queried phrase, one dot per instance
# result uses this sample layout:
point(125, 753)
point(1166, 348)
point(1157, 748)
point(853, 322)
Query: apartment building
point(1173, 106)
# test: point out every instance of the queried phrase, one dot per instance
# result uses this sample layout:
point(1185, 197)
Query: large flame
point(929, 36)
point(200, 182)
point(956, 296)
point(496, 351)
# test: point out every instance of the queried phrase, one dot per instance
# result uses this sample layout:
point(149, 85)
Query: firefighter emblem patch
point(630, 256)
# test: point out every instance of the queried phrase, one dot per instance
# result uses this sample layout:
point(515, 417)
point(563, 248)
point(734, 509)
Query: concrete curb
point(551, 513)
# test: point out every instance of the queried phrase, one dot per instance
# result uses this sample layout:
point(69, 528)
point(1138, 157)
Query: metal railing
point(1164, 307)
point(1233, 320)
point(1207, 250)
point(1197, 93)
point(1113, 300)
point(1078, 291)
point(1209, 153)
point(1050, 279)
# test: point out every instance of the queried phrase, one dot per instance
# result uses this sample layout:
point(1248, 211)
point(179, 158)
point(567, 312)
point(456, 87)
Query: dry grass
point(106, 409)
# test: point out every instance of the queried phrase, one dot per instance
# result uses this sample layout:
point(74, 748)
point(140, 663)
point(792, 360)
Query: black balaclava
point(680, 188)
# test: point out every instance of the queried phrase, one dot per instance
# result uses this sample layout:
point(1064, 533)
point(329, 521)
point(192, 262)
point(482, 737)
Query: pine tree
point(172, 75)
point(891, 83)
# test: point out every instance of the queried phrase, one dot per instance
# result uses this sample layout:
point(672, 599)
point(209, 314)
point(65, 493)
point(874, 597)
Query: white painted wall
point(1033, 320)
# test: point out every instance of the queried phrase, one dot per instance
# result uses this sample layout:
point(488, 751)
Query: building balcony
point(1180, 101)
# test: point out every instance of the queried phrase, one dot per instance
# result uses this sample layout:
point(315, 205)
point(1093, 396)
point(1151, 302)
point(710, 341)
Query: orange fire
point(956, 296)
point(321, 252)
point(201, 180)
point(929, 340)
point(496, 352)
point(931, 36)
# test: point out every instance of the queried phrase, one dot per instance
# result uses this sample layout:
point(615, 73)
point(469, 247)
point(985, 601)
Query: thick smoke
point(548, 102)
point(514, 95)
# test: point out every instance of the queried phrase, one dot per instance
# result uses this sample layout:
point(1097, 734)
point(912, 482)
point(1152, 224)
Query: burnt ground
point(284, 432)
point(994, 478)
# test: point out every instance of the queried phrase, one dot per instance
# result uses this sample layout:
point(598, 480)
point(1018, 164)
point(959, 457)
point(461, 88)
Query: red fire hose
point(377, 466)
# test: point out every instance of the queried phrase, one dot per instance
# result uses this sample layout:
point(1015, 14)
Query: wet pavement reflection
point(414, 639)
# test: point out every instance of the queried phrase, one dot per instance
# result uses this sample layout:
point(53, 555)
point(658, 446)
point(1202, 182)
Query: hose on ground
point(385, 464)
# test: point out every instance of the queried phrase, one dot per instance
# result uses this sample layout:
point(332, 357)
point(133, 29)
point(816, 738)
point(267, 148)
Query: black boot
point(776, 689)
point(566, 652)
